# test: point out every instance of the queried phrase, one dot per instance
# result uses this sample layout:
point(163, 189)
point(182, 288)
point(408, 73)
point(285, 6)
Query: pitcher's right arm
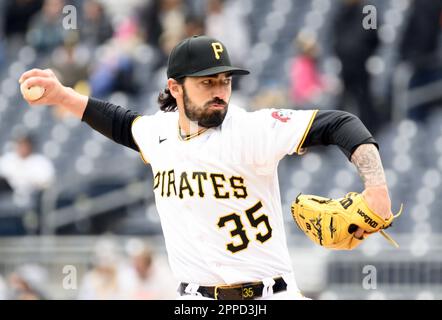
point(112, 121)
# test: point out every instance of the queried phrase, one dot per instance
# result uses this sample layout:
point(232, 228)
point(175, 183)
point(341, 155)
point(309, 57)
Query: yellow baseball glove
point(332, 222)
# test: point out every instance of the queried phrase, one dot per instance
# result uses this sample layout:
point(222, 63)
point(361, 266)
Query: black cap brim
point(219, 69)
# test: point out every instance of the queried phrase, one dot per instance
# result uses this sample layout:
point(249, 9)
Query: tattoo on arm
point(367, 160)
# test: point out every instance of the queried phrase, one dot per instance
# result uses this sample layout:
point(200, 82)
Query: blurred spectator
point(353, 45)
point(163, 25)
point(419, 48)
point(114, 70)
point(162, 17)
point(17, 15)
point(420, 39)
point(150, 280)
point(46, 28)
point(225, 21)
point(28, 282)
point(27, 172)
point(306, 83)
point(96, 27)
point(194, 26)
point(105, 281)
point(150, 22)
point(167, 42)
point(70, 62)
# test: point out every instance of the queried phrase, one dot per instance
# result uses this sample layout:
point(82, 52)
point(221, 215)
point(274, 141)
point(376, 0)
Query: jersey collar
point(190, 136)
point(232, 109)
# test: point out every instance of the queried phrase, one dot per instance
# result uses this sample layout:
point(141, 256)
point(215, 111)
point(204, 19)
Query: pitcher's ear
point(175, 87)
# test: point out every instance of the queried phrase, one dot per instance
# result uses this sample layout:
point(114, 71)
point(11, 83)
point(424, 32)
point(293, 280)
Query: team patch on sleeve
point(282, 115)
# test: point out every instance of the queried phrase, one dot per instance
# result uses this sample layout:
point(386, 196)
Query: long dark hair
point(166, 101)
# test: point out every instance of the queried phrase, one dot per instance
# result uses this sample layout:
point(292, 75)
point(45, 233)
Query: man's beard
point(205, 116)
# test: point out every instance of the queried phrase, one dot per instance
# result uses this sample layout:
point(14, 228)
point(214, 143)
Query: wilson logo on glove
point(332, 222)
point(367, 219)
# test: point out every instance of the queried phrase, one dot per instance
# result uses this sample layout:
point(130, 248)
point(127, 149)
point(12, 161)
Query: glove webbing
point(386, 236)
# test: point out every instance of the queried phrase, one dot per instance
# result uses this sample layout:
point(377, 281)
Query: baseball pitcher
point(215, 174)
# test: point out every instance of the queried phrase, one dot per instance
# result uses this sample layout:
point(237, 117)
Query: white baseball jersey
point(217, 193)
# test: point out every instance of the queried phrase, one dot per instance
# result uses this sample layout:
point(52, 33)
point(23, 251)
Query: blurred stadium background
point(84, 224)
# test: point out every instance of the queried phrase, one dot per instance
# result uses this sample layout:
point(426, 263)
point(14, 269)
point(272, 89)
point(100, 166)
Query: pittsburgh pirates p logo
point(217, 49)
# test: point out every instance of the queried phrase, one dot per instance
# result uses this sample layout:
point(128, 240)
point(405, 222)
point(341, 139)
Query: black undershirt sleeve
point(339, 128)
point(112, 121)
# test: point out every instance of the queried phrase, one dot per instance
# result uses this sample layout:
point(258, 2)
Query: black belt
point(242, 291)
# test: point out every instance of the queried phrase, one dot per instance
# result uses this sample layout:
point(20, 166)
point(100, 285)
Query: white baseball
point(32, 93)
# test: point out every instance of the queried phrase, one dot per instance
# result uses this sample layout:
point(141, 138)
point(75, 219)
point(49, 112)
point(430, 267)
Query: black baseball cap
point(199, 56)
